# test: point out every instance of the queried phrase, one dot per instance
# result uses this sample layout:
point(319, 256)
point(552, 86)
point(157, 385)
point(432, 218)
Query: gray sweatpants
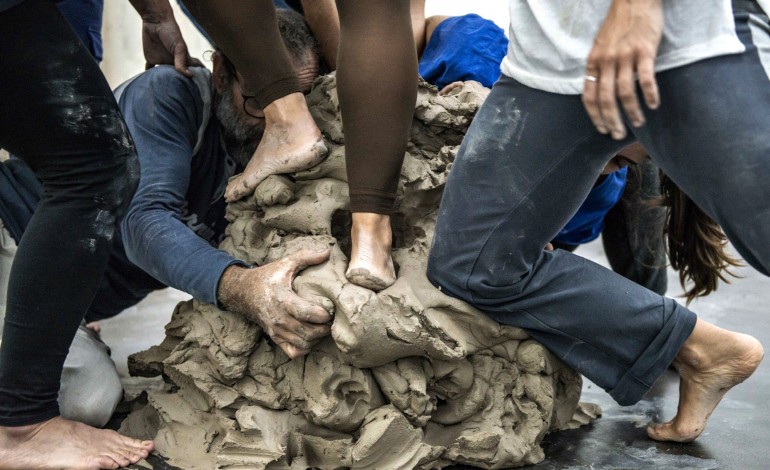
point(528, 161)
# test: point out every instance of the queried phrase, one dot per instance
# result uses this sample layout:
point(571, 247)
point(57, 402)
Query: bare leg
point(710, 363)
point(291, 142)
point(371, 265)
point(60, 443)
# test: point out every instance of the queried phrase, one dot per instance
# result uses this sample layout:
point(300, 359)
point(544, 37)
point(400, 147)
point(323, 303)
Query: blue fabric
point(463, 48)
point(85, 17)
point(6, 4)
point(588, 222)
point(176, 218)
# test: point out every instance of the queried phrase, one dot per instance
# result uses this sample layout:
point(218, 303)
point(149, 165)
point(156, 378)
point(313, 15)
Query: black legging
point(59, 115)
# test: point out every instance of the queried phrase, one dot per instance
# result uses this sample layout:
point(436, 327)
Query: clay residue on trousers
point(409, 378)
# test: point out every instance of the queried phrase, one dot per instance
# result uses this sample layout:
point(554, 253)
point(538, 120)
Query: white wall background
point(122, 32)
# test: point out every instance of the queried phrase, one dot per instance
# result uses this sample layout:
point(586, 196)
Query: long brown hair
point(696, 243)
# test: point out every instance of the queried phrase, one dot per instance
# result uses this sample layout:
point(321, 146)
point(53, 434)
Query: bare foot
point(94, 326)
point(710, 363)
point(63, 444)
point(291, 142)
point(370, 263)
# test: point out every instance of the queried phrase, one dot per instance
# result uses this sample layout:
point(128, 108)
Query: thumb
point(180, 60)
point(308, 257)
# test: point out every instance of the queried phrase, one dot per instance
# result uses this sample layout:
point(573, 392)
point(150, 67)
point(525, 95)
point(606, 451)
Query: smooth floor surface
point(737, 436)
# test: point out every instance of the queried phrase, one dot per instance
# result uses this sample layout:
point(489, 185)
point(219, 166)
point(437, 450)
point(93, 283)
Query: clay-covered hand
point(264, 294)
point(162, 40)
point(623, 52)
point(447, 89)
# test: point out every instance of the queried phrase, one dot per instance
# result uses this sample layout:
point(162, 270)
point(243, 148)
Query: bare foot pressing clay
point(706, 374)
point(287, 146)
point(63, 444)
point(371, 265)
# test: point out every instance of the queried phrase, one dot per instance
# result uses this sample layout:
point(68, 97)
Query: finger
point(292, 351)
point(308, 257)
point(302, 338)
point(626, 86)
point(450, 87)
point(303, 310)
point(232, 190)
point(319, 300)
point(591, 99)
point(180, 60)
point(608, 102)
point(310, 333)
point(645, 70)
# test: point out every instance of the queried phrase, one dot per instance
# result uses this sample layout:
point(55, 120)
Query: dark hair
point(296, 35)
point(696, 243)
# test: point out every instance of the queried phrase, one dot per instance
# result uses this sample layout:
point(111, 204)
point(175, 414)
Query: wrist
point(229, 295)
point(153, 11)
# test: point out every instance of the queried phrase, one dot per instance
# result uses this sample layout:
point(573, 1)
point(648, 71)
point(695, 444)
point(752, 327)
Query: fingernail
point(618, 135)
point(638, 123)
point(602, 129)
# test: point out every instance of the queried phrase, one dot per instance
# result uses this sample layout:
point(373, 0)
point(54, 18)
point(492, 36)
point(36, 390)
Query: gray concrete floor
point(737, 436)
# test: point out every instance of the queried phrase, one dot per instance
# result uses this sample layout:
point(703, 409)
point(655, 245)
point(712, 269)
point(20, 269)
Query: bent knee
point(93, 407)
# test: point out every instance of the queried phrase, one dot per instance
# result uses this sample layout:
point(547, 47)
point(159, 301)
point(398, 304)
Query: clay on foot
point(63, 444)
point(291, 142)
point(707, 372)
point(371, 265)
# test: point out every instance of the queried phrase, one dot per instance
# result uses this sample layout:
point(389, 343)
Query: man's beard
point(240, 136)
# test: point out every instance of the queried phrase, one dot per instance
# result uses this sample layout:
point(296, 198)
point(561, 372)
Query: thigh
point(59, 114)
point(711, 135)
point(527, 163)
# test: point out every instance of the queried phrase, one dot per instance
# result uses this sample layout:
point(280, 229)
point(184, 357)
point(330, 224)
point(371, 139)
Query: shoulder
point(164, 83)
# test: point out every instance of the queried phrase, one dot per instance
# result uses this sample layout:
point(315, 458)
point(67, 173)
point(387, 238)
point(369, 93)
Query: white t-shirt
point(550, 39)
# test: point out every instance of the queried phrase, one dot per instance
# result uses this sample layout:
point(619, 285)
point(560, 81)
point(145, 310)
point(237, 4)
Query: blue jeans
point(528, 161)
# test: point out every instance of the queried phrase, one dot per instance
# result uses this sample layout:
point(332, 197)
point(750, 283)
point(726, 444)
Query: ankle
point(371, 222)
point(9, 434)
point(287, 110)
point(690, 356)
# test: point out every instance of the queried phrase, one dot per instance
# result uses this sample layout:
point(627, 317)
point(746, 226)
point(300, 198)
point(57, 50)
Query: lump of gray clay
point(409, 378)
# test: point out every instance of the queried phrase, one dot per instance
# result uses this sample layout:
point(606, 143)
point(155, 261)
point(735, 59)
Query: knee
point(443, 272)
point(93, 407)
point(90, 385)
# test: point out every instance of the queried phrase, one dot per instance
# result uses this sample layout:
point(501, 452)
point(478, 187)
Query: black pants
point(58, 114)
point(632, 236)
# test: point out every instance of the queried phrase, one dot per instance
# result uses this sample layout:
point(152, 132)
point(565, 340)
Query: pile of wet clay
point(409, 378)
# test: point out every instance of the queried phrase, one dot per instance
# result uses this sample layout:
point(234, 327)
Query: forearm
point(171, 252)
